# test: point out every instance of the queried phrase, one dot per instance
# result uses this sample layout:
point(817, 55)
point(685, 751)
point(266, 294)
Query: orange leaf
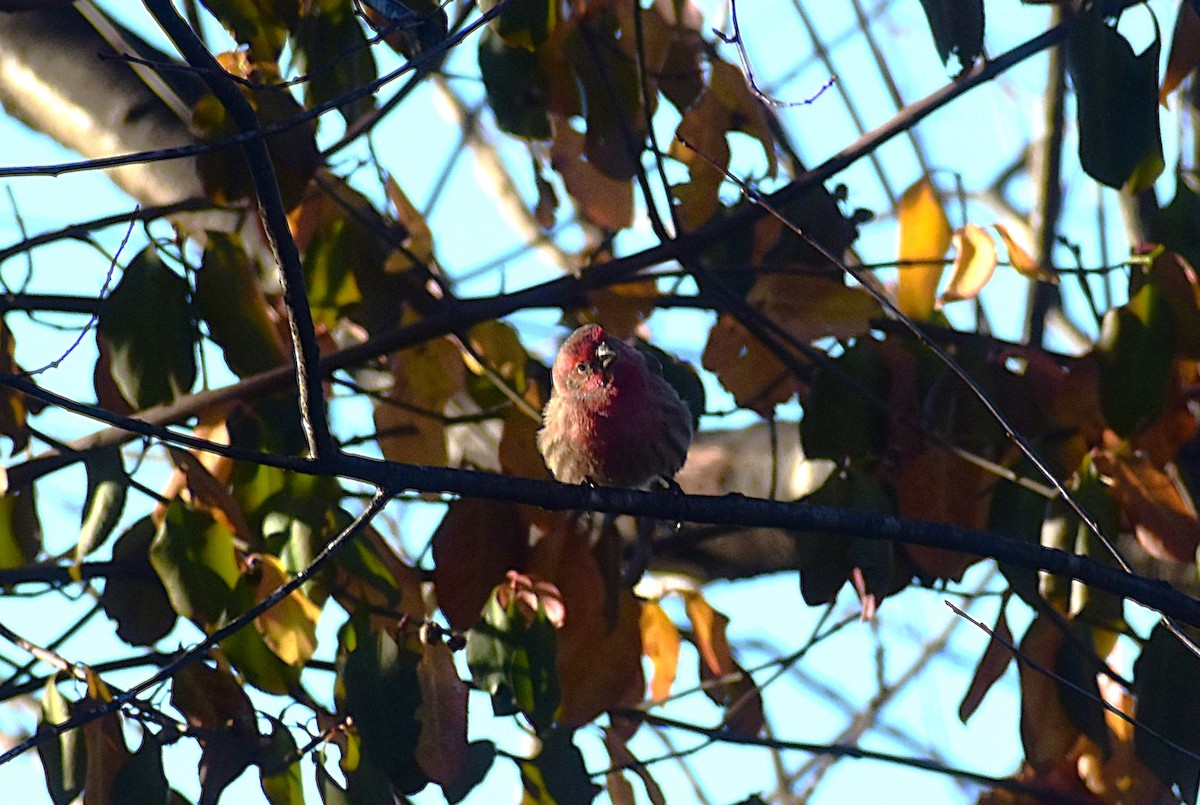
point(1185, 50)
point(974, 263)
point(737, 692)
point(623, 759)
point(992, 665)
point(602, 200)
point(924, 238)
point(660, 642)
point(1164, 523)
point(1020, 259)
point(442, 747)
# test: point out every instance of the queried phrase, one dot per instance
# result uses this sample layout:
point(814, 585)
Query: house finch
point(612, 419)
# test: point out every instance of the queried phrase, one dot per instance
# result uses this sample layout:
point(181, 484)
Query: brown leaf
point(442, 747)
point(1020, 259)
point(660, 643)
point(812, 307)
point(602, 200)
point(590, 687)
point(924, 238)
point(974, 264)
point(992, 665)
point(746, 368)
point(105, 742)
point(737, 692)
point(203, 492)
point(478, 542)
point(1164, 523)
point(1185, 50)
point(938, 486)
point(625, 306)
point(1046, 730)
point(623, 759)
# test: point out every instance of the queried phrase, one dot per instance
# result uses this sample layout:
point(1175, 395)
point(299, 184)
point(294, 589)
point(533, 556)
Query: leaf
point(623, 759)
point(1177, 225)
point(442, 747)
point(517, 88)
point(262, 26)
point(231, 302)
point(333, 50)
point(939, 486)
point(148, 326)
point(1153, 503)
point(289, 628)
point(142, 778)
point(280, 766)
point(1046, 731)
point(660, 643)
point(746, 368)
point(213, 701)
point(105, 740)
point(247, 649)
point(841, 420)
point(64, 759)
point(995, 661)
point(925, 235)
point(477, 543)
point(193, 556)
point(1117, 99)
point(414, 26)
point(523, 24)
point(502, 354)
point(1021, 259)
point(739, 695)
point(602, 200)
point(957, 27)
point(480, 757)
point(423, 380)
point(813, 307)
point(107, 486)
point(562, 771)
point(1168, 703)
point(1185, 50)
point(20, 530)
point(382, 693)
point(328, 271)
point(974, 263)
point(1136, 356)
point(14, 407)
point(137, 600)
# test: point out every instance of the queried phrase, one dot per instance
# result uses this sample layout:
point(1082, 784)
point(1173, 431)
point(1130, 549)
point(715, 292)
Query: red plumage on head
point(612, 419)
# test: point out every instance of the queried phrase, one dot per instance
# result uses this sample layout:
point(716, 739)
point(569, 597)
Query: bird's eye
point(581, 367)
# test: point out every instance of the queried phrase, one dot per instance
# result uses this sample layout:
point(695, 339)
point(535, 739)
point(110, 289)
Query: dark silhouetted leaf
point(229, 299)
point(1136, 355)
point(148, 325)
point(142, 779)
point(137, 601)
point(1168, 702)
point(957, 27)
point(516, 87)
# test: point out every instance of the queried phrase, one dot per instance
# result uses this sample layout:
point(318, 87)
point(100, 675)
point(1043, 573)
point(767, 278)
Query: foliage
point(249, 538)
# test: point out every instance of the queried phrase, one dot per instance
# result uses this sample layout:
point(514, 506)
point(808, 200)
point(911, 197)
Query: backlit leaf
point(516, 85)
point(107, 485)
point(332, 49)
point(1136, 356)
point(281, 768)
point(64, 759)
point(957, 27)
point(423, 380)
point(812, 307)
point(974, 263)
point(194, 557)
point(477, 543)
point(289, 628)
point(1021, 259)
point(660, 643)
point(746, 368)
point(1185, 50)
point(1154, 505)
point(925, 236)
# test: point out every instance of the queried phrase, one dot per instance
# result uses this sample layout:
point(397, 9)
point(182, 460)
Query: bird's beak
point(605, 355)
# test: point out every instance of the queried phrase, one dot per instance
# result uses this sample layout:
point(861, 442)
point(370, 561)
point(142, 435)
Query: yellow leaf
point(1020, 259)
point(290, 627)
point(974, 263)
point(1185, 50)
point(660, 642)
point(924, 238)
point(425, 377)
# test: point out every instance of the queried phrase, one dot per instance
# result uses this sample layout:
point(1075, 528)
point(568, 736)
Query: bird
point(612, 419)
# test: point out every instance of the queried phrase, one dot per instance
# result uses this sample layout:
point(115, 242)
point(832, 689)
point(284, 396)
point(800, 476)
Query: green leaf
point(1164, 682)
point(517, 89)
point(142, 779)
point(516, 662)
point(379, 677)
point(280, 778)
point(147, 321)
point(261, 25)
point(229, 299)
point(1136, 354)
point(64, 759)
point(840, 422)
point(328, 274)
point(957, 27)
point(1117, 98)
point(137, 601)
point(523, 23)
point(193, 555)
point(333, 51)
point(248, 651)
point(107, 486)
point(20, 530)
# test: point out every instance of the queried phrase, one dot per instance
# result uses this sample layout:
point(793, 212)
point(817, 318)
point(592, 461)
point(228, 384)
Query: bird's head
point(592, 362)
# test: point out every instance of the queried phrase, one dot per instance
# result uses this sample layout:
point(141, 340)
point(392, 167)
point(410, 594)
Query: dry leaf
point(992, 665)
point(811, 307)
point(1020, 258)
point(660, 643)
point(746, 368)
point(442, 747)
point(1164, 523)
point(1185, 50)
point(974, 264)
